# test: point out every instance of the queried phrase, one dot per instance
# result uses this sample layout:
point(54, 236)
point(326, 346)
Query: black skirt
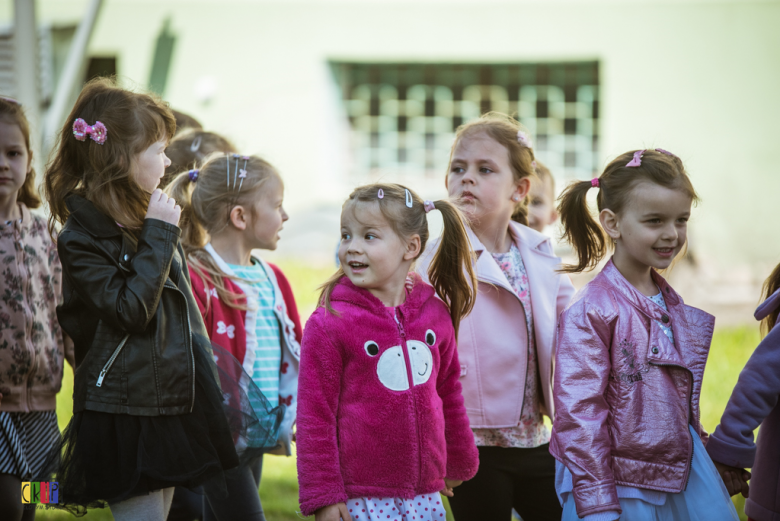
point(106, 458)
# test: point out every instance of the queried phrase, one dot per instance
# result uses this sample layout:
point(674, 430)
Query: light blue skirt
point(704, 499)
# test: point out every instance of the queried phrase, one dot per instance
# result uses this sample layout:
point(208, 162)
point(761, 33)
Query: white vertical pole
point(26, 68)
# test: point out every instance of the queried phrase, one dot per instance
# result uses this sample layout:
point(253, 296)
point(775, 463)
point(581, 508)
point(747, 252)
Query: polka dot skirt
point(426, 507)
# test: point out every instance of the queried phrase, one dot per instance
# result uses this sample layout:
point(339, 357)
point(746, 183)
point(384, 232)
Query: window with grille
point(403, 116)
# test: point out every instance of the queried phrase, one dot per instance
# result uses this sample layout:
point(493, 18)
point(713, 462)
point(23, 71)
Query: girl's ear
point(609, 222)
point(412, 247)
point(238, 218)
point(522, 187)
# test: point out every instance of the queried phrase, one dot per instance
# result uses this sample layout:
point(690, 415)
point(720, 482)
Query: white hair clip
point(409, 200)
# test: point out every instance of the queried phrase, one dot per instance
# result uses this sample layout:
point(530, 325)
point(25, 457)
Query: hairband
point(594, 182)
point(523, 139)
point(637, 159)
point(193, 175)
point(428, 205)
point(97, 132)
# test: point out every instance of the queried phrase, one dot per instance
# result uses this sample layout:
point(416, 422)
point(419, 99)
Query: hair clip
point(533, 164)
point(523, 139)
point(227, 160)
point(594, 182)
point(409, 200)
point(380, 194)
point(637, 160)
point(193, 175)
point(97, 132)
point(428, 205)
point(661, 150)
point(195, 146)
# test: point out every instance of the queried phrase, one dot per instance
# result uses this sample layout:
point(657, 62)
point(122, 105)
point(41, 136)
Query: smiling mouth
point(357, 265)
point(426, 370)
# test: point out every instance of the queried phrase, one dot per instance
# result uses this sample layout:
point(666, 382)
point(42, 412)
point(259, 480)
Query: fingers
point(344, 513)
point(447, 491)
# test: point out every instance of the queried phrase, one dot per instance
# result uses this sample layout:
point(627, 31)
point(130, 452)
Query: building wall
point(698, 78)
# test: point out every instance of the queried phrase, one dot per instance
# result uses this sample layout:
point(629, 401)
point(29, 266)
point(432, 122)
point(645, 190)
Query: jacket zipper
point(690, 412)
point(111, 360)
point(408, 360)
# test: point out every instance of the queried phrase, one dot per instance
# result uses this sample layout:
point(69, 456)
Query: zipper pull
point(400, 324)
point(100, 378)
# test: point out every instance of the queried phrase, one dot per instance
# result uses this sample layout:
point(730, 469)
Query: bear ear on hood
point(768, 306)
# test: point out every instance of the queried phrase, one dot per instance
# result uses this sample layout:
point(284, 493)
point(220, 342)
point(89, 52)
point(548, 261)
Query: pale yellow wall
point(698, 78)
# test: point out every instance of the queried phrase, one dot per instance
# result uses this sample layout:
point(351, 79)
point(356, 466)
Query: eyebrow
point(657, 214)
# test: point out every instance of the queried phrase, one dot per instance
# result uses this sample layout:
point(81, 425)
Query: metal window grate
point(403, 116)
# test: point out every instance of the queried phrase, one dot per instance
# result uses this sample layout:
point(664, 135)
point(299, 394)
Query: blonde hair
point(504, 130)
point(451, 272)
point(206, 203)
point(542, 175)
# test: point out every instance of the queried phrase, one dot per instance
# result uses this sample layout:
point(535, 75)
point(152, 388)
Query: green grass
point(731, 348)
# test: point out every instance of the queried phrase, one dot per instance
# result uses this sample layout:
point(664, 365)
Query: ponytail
point(452, 271)
point(580, 229)
point(193, 234)
point(771, 284)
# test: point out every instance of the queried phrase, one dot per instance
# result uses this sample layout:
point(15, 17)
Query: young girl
point(506, 344)
point(630, 356)
point(754, 402)
point(541, 200)
point(231, 206)
point(147, 406)
point(190, 148)
point(32, 345)
point(381, 423)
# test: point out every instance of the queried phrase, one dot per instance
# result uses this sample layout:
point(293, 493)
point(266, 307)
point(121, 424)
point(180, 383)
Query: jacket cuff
point(594, 499)
point(157, 223)
point(309, 507)
point(733, 455)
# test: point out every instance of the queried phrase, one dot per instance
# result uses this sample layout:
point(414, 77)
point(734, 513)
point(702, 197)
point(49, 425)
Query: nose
point(670, 232)
point(469, 177)
point(4, 164)
point(285, 217)
point(167, 161)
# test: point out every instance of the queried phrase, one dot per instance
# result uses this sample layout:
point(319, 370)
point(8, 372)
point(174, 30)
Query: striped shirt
point(267, 348)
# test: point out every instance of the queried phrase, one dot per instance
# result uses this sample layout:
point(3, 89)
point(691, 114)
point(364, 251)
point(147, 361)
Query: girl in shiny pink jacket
point(381, 424)
point(630, 356)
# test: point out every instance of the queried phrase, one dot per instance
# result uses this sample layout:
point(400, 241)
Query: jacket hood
point(771, 303)
point(347, 292)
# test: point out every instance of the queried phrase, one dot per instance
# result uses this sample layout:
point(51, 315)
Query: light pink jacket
point(493, 339)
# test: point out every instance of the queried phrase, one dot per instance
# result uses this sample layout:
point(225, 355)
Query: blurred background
point(341, 93)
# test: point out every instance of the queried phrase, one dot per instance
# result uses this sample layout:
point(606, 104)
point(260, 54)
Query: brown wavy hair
point(102, 174)
point(616, 185)
point(451, 272)
point(11, 112)
point(189, 149)
point(206, 204)
point(503, 129)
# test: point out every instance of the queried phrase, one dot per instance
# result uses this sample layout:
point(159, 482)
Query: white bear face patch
point(391, 368)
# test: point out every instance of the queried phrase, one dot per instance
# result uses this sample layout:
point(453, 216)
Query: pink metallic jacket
point(624, 394)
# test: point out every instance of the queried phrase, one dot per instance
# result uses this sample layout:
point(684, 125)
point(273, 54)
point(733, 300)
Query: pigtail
point(452, 271)
point(580, 229)
point(520, 214)
point(326, 290)
point(771, 284)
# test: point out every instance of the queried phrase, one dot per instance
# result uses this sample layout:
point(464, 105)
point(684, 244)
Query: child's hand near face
point(735, 479)
point(337, 512)
point(450, 484)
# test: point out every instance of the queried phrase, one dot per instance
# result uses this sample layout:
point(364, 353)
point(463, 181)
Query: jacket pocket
point(107, 366)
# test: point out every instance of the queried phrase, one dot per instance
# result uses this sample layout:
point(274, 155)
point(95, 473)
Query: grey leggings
point(243, 501)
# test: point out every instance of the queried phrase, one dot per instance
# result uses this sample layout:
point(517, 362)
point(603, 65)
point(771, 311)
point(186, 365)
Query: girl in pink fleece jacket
point(381, 424)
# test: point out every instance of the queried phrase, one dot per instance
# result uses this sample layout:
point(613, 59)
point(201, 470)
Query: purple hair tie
point(594, 182)
point(193, 175)
point(428, 205)
point(637, 160)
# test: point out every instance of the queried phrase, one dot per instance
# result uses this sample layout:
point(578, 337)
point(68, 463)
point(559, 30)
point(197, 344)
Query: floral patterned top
point(32, 344)
point(530, 430)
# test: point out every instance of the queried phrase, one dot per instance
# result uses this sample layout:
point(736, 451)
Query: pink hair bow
point(637, 160)
point(428, 205)
point(97, 132)
point(523, 139)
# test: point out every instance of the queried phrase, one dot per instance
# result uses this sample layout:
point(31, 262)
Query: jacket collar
point(345, 291)
point(90, 218)
point(637, 299)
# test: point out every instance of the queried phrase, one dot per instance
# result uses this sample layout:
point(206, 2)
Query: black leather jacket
point(128, 307)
